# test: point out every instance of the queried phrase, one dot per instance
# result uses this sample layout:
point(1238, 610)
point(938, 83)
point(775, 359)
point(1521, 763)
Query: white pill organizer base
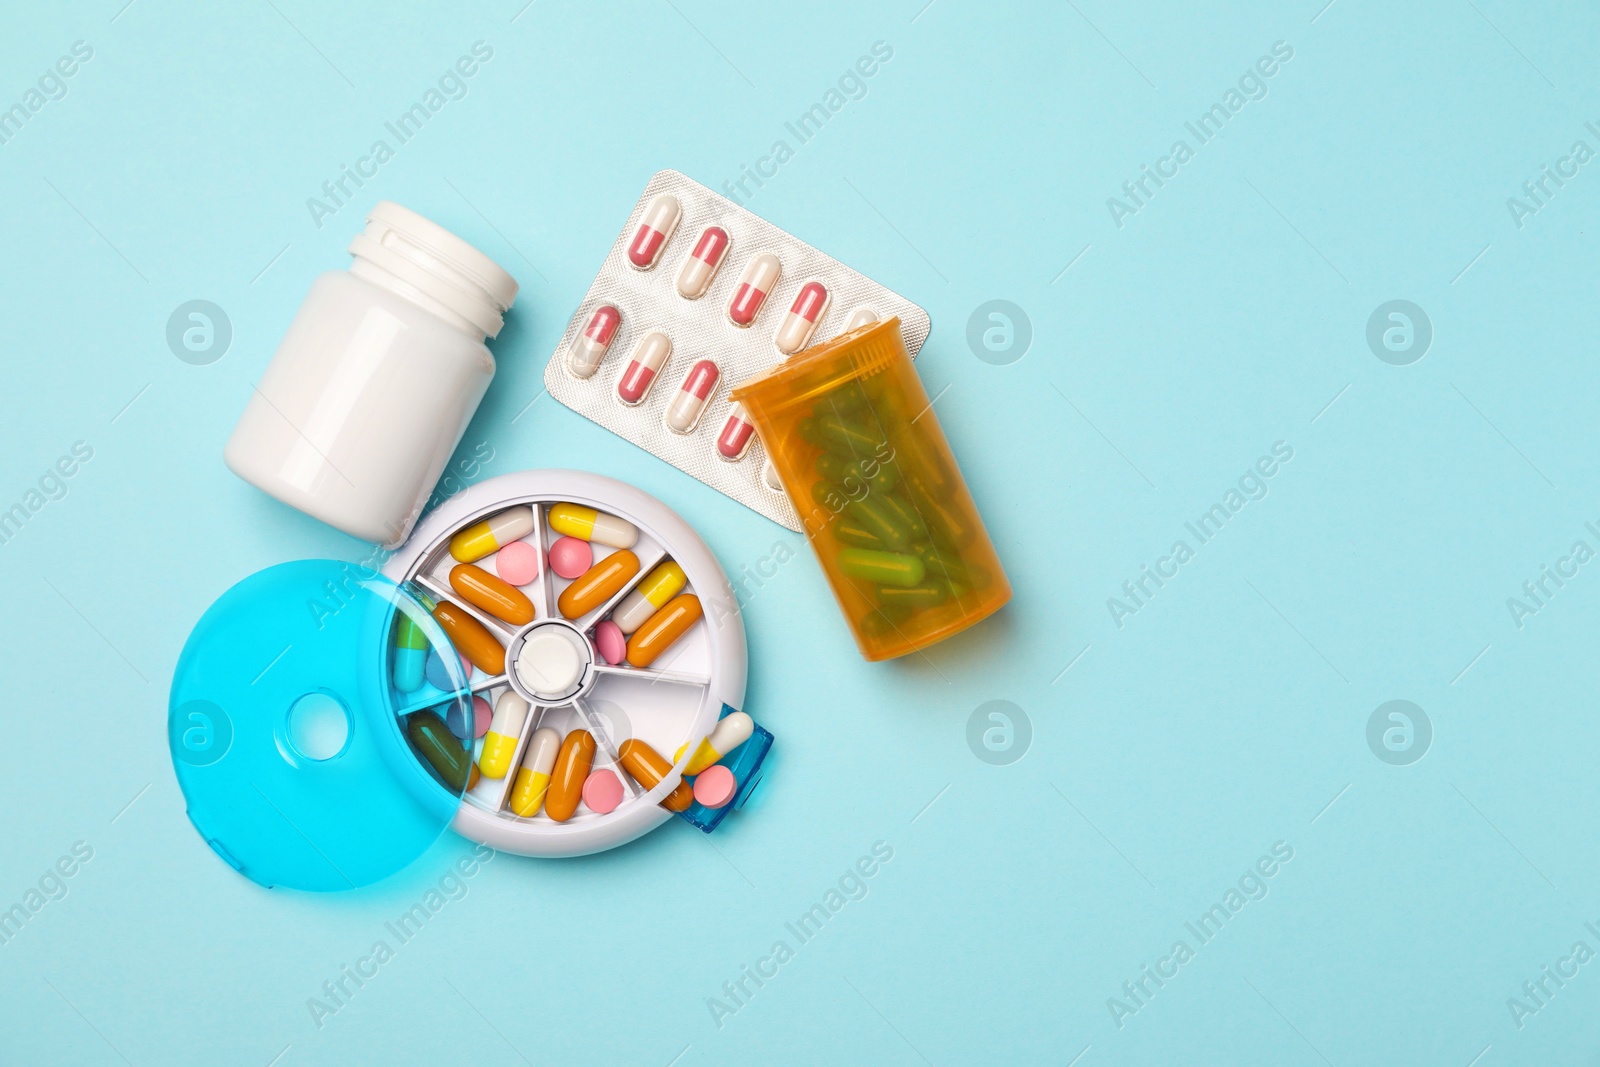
point(667, 704)
point(700, 329)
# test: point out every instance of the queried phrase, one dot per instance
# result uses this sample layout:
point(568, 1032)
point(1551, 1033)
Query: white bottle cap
point(401, 249)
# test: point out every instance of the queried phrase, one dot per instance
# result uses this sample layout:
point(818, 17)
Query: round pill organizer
point(673, 701)
point(298, 751)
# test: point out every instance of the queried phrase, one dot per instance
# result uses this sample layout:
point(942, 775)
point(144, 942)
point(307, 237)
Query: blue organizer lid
point(288, 731)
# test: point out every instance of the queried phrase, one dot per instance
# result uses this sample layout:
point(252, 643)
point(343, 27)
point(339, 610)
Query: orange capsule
point(491, 593)
point(663, 628)
point(598, 584)
point(566, 777)
point(471, 638)
point(648, 767)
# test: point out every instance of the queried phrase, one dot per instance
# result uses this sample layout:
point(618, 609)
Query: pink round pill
point(481, 714)
point(715, 786)
point(517, 563)
point(570, 557)
point(602, 791)
point(609, 642)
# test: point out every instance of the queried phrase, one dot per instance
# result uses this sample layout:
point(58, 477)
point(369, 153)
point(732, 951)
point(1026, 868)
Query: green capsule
point(870, 513)
point(828, 495)
point(884, 568)
point(848, 397)
point(942, 568)
point(837, 469)
point(913, 598)
point(807, 429)
point(851, 532)
point(436, 744)
point(945, 563)
point(847, 438)
point(946, 521)
point(880, 624)
point(905, 515)
point(884, 479)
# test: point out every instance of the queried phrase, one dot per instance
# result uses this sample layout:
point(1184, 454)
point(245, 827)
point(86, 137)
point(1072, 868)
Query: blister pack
point(696, 295)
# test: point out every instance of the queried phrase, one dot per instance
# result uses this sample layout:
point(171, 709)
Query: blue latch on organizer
point(741, 753)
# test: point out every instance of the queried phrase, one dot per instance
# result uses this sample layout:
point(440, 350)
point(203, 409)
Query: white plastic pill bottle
point(372, 387)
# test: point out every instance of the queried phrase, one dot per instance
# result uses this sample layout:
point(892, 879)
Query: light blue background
point(1228, 714)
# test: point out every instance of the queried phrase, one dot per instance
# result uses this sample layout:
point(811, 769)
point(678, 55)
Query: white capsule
point(701, 264)
point(859, 318)
point(655, 230)
point(810, 305)
point(738, 432)
point(759, 278)
point(590, 346)
point(769, 474)
point(683, 413)
point(649, 356)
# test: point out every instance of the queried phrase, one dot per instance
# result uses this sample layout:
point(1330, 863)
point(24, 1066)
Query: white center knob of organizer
point(549, 664)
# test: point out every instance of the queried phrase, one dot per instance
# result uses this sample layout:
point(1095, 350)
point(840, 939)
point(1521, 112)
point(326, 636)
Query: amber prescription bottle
point(860, 452)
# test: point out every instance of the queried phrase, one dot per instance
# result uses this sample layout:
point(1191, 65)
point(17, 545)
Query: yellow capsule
point(597, 585)
point(500, 743)
point(492, 534)
point(658, 587)
point(533, 777)
point(663, 628)
point(731, 731)
point(587, 524)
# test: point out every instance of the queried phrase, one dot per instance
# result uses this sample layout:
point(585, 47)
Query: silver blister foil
point(700, 329)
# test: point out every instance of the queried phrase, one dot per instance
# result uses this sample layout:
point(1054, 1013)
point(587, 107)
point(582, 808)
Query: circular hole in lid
point(319, 726)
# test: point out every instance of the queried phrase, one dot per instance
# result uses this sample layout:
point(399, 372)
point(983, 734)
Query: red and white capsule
point(589, 348)
point(758, 280)
point(661, 217)
point(684, 412)
point(810, 304)
point(737, 434)
point(649, 356)
point(694, 278)
point(860, 317)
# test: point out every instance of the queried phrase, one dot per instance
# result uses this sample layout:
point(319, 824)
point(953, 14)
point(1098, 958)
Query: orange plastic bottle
point(861, 455)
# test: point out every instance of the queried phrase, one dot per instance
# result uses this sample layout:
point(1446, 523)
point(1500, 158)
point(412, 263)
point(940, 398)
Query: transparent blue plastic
point(745, 763)
point(331, 796)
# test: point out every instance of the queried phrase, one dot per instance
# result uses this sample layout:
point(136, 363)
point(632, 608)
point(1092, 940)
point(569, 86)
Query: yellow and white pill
point(731, 731)
point(658, 587)
point(587, 524)
point(492, 534)
point(533, 778)
point(500, 743)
